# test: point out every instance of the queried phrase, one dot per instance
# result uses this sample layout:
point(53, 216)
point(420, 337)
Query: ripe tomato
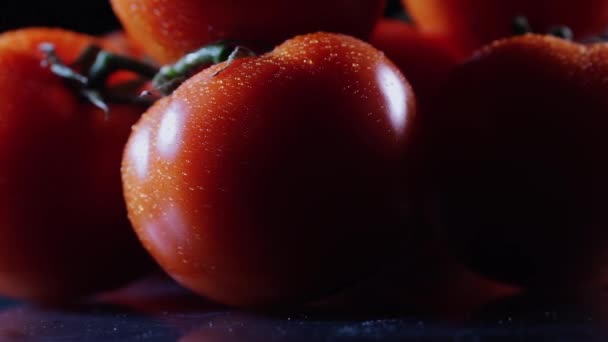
point(119, 41)
point(520, 174)
point(28, 40)
point(168, 29)
point(425, 60)
point(272, 181)
point(472, 23)
point(63, 225)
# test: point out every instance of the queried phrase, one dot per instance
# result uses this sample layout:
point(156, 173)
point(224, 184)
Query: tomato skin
point(63, 226)
point(168, 29)
point(119, 41)
point(519, 165)
point(272, 182)
point(425, 60)
point(472, 23)
point(69, 44)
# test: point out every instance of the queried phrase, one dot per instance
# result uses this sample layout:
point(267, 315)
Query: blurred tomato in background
point(472, 23)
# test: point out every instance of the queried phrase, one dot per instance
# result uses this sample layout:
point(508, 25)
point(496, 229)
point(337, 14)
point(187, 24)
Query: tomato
point(425, 60)
point(63, 226)
point(119, 41)
point(473, 23)
point(519, 170)
point(29, 39)
point(168, 29)
point(270, 181)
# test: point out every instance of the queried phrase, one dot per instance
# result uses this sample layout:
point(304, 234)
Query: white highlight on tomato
point(395, 95)
point(139, 151)
point(168, 140)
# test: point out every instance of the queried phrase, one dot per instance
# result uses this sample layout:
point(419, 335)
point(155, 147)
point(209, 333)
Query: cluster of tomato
point(283, 177)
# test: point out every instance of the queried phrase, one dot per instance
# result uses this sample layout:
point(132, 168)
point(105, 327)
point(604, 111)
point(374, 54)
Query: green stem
point(87, 57)
point(171, 76)
point(563, 32)
point(58, 68)
point(520, 25)
point(106, 63)
point(88, 75)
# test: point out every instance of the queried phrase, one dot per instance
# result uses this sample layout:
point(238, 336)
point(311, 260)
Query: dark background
point(90, 16)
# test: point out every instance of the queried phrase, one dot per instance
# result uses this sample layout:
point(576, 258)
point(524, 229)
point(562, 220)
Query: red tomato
point(425, 60)
point(273, 182)
point(168, 29)
point(473, 23)
point(70, 44)
point(520, 172)
point(120, 42)
point(63, 225)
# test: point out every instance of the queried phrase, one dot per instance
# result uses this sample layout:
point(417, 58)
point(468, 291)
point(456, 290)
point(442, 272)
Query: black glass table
point(156, 309)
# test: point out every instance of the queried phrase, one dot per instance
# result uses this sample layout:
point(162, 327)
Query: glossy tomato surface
point(519, 177)
point(425, 60)
point(63, 226)
point(271, 180)
point(168, 29)
point(473, 23)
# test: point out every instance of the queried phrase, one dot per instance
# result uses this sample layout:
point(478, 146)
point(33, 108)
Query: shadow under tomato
point(158, 294)
point(543, 308)
point(426, 282)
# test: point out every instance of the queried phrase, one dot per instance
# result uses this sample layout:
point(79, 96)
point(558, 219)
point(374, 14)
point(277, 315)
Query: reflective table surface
point(156, 309)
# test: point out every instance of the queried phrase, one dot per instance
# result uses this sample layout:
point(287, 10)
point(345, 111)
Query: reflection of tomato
point(63, 226)
point(272, 181)
point(170, 28)
point(521, 171)
point(472, 23)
